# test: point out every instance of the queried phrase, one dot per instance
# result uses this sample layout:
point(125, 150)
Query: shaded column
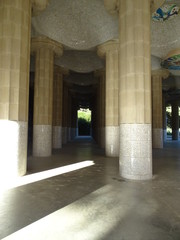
point(100, 75)
point(175, 120)
point(44, 50)
point(15, 25)
point(110, 49)
point(164, 118)
point(57, 105)
point(65, 114)
point(135, 90)
point(157, 107)
point(74, 118)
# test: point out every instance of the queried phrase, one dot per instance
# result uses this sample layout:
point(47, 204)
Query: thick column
point(175, 120)
point(15, 25)
point(57, 106)
point(100, 75)
point(65, 114)
point(157, 108)
point(74, 118)
point(44, 49)
point(164, 118)
point(135, 90)
point(110, 50)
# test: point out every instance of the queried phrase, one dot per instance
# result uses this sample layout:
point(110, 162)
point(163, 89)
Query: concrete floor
point(94, 203)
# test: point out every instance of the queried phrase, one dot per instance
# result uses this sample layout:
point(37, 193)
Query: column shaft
point(15, 25)
point(43, 89)
point(111, 50)
point(175, 121)
point(135, 90)
point(157, 123)
point(57, 108)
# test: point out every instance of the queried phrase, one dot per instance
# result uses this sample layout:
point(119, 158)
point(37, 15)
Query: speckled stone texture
point(112, 141)
point(73, 133)
point(64, 135)
point(165, 134)
point(13, 144)
point(57, 137)
point(42, 140)
point(135, 157)
point(157, 138)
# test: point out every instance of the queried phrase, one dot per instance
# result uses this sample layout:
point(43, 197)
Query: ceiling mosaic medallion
point(172, 63)
point(165, 12)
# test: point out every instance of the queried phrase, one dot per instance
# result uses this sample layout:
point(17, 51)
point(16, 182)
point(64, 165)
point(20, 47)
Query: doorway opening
point(84, 122)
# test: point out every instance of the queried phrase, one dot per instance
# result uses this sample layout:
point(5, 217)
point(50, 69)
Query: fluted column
point(135, 90)
point(110, 50)
point(57, 106)
point(15, 25)
point(157, 107)
point(65, 114)
point(100, 74)
point(44, 49)
point(175, 120)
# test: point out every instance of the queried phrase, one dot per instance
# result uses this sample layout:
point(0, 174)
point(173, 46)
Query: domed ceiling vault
point(82, 25)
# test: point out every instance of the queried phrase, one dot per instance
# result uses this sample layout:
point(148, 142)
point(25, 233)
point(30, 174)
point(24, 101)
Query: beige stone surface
point(15, 20)
point(134, 72)
point(110, 50)
point(57, 96)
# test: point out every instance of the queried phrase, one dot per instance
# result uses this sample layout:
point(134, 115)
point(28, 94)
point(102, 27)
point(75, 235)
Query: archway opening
point(84, 122)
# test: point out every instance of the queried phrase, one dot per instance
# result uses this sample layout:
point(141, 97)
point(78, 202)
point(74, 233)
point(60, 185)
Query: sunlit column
point(175, 120)
point(44, 50)
point(110, 50)
point(157, 107)
point(15, 25)
point(135, 90)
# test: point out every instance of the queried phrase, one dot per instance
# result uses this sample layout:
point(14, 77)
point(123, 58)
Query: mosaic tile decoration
point(165, 12)
point(172, 63)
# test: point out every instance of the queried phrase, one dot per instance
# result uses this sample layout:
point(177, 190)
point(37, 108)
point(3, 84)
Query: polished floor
point(93, 202)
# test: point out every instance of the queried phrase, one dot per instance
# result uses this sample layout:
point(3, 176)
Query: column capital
point(109, 46)
point(38, 6)
point(47, 43)
point(112, 6)
point(163, 73)
point(99, 72)
point(60, 69)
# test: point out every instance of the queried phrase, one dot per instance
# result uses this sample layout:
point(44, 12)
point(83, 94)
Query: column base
point(57, 137)
point(164, 134)
point(42, 140)
point(73, 133)
point(64, 135)
point(135, 157)
point(175, 134)
point(103, 137)
point(13, 153)
point(112, 141)
point(157, 138)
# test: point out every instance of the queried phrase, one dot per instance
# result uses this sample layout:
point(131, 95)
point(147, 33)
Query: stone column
point(44, 49)
point(135, 90)
point(15, 25)
point(74, 118)
point(110, 49)
point(164, 118)
point(65, 114)
point(157, 108)
point(15, 28)
point(100, 74)
point(175, 120)
point(57, 106)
